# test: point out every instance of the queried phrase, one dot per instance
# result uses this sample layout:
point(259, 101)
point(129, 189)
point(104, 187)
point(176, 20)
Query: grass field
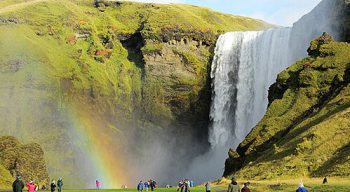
point(313, 185)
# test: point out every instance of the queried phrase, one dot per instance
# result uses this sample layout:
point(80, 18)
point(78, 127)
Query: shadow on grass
point(339, 158)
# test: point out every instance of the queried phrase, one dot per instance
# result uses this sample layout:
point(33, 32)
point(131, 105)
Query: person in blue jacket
point(140, 186)
point(301, 188)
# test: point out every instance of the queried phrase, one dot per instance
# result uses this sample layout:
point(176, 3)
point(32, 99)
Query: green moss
point(60, 54)
point(304, 132)
point(150, 48)
point(18, 159)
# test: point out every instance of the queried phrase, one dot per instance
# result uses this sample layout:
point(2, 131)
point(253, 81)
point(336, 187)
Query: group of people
point(151, 184)
point(59, 185)
point(18, 185)
point(185, 185)
point(234, 187)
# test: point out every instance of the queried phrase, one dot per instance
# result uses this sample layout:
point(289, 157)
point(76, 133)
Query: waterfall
point(244, 66)
point(247, 63)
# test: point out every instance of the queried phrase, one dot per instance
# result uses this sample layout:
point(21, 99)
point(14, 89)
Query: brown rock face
point(25, 160)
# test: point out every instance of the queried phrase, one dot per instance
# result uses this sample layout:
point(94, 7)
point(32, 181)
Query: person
point(301, 188)
point(146, 186)
point(325, 180)
point(151, 184)
point(207, 187)
point(180, 184)
point(31, 186)
point(140, 186)
point(53, 186)
point(184, 187)
point(191, 183)
point(18, 185)
point(59, 184)
point(233, 186)
point(98, 184)
point(245, 187)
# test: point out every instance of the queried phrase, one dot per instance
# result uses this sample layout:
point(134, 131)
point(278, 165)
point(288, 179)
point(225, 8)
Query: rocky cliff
point(305, 132)
point(25, 160)
point(83, 76)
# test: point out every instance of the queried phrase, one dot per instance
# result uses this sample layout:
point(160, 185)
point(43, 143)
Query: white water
point(244, 66)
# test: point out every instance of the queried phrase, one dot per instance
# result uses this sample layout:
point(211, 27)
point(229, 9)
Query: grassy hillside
point(305, 132)
point(75, 71)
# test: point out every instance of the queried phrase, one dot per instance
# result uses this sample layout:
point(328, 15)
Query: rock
point(315, 45)
point(233, 163)
point(25, 160)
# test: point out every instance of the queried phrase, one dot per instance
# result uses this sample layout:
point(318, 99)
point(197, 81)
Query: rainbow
point(104, 156)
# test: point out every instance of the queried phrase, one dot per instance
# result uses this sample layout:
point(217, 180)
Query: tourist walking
point(140, 186)
point(18, 185)
point(146, 186)
point(301, 188)
point(325, 180)
point(207, 187)
point(151, 184)
point(53, 186)
point(31, 186)
point(59, 184)
point(245, 187)
point(185, 187)
point(233, 187)
point(98, 184)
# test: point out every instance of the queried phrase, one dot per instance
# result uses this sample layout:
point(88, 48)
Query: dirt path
point(18, 6)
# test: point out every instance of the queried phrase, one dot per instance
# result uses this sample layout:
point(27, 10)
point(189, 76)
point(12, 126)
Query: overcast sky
point(280, 12)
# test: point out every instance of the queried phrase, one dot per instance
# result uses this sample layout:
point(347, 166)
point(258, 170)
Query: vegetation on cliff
point(25, 160)
point(305, 132)
point(115, 65)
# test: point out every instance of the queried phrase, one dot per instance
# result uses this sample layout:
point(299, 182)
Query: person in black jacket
point(18, 185)
point(53, 185)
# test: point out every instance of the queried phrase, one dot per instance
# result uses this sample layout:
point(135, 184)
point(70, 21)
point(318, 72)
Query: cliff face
point(342, 14)
point(25, 160)
point(305, 131)
point(73, 72)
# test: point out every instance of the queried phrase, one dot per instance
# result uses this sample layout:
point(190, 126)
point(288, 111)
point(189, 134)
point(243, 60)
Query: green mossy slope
point(122, 66)
point(305, 132)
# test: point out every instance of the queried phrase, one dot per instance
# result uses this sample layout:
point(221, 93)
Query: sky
point(280, 12)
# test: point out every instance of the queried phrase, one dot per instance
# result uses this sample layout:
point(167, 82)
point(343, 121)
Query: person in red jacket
point(31, 186)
